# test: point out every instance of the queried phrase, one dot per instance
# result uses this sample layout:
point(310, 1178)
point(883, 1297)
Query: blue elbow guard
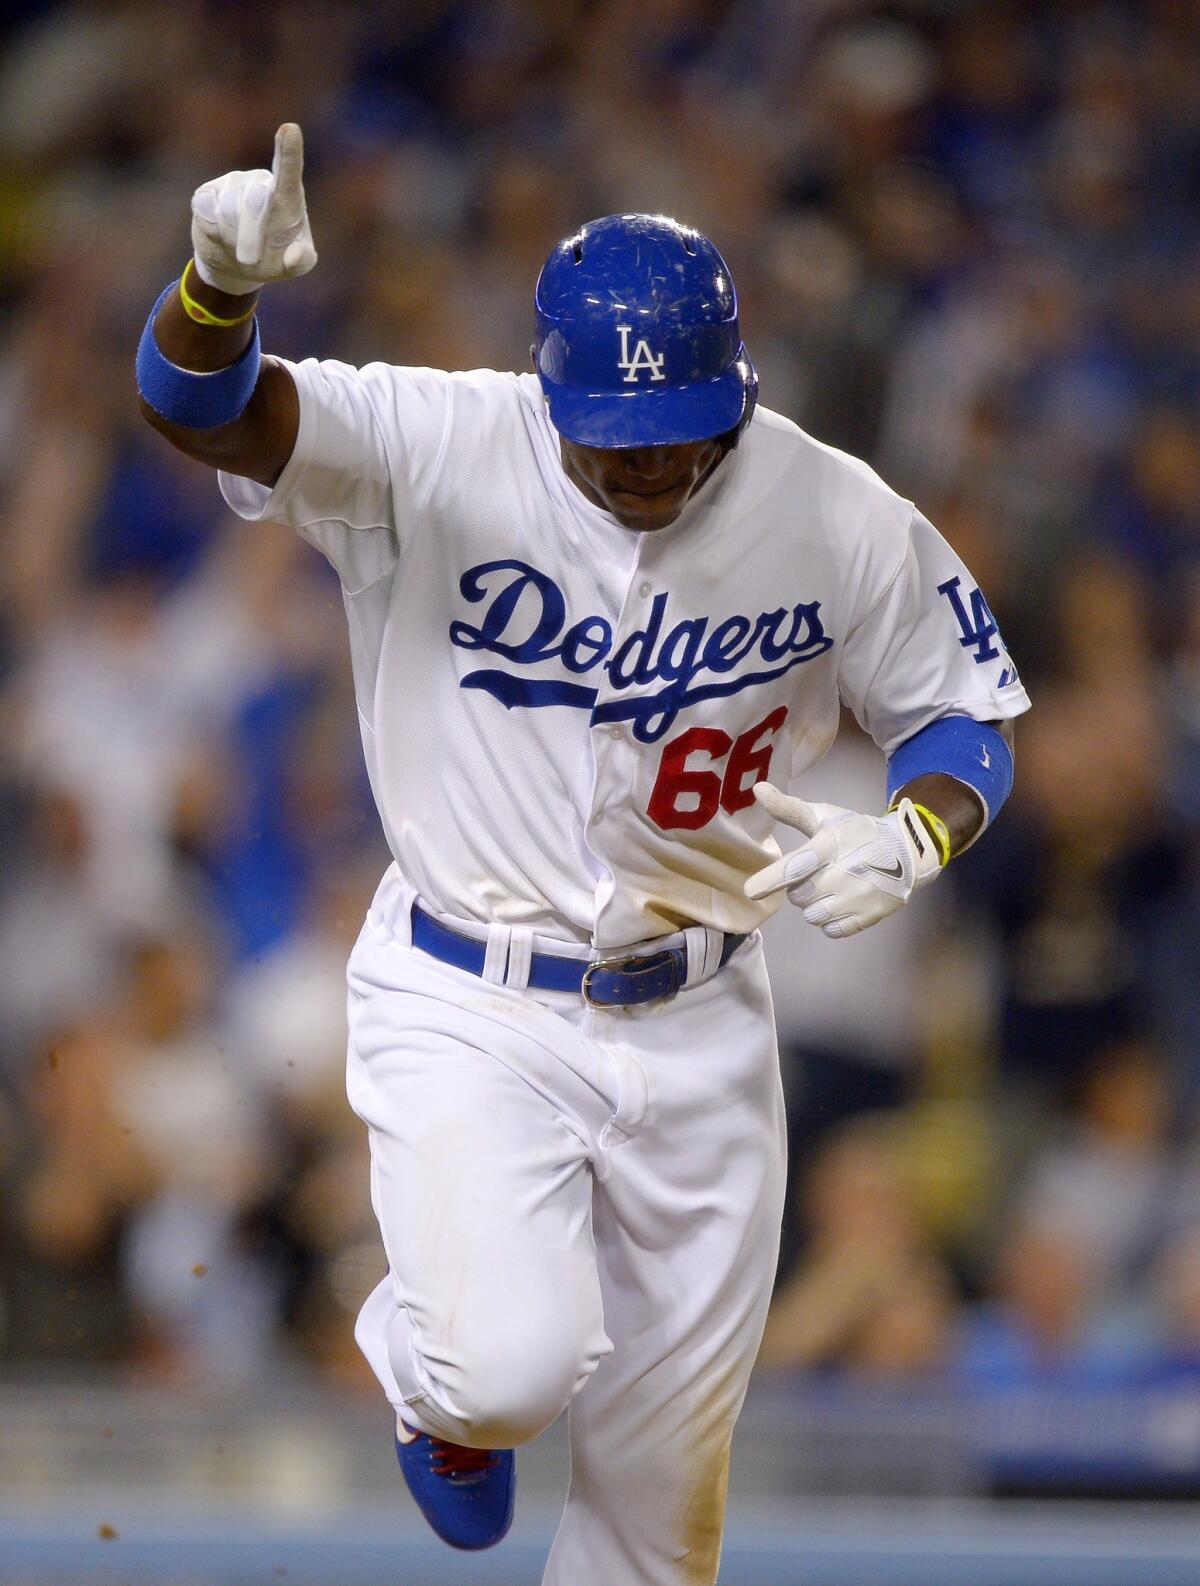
point(198, 401)
point(970, 751)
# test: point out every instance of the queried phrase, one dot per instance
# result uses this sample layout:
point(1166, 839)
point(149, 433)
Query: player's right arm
point(258, 443)
point(249, 228)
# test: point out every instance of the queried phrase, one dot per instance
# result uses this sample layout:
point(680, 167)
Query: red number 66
point(689, 798)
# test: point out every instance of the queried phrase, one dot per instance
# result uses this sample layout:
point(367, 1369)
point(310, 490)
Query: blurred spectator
point(75, 1183)
point(1113, 1184)
point(312, 1222)
point(58, 945)
point(1073, 879)
point(1152, 509)
point(1174, 1347)
point(99, 720)
point(868, 1295)
point(1041, 1325)
point(179, 1095)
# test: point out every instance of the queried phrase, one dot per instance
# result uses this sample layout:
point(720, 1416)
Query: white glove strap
point(928, 860)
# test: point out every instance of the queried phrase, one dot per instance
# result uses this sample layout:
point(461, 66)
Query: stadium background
point(967, 239)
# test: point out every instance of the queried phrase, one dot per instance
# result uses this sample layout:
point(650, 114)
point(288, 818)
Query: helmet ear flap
point(750, 386)
point(751, 391)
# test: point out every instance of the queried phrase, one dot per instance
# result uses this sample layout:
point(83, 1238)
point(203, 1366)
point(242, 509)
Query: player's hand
point(251, 227)
point(854, 870)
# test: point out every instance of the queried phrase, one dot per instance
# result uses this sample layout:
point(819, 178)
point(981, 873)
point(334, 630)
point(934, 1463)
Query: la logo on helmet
point(642, 358)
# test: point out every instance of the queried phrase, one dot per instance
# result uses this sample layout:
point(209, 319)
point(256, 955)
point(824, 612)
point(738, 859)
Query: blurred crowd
point(967, 240)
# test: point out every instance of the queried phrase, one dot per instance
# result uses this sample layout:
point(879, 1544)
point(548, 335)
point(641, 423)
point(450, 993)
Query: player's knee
point(514, 1395)
point(507, 1393)
point(493, 1418)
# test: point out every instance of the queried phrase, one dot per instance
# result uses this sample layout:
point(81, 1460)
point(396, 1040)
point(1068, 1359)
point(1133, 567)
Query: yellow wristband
point(939, 828)
point(200, 314)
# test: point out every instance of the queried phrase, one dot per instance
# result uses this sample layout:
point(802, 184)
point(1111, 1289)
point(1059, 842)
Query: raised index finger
point(287, 167)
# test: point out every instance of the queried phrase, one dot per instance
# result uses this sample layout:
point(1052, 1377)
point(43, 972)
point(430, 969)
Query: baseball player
point(601, 616)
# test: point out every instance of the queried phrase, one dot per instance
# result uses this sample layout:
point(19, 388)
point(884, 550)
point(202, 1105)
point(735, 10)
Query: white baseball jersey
point(563, 718)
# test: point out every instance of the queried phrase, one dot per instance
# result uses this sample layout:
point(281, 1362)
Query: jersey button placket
point(611, 776)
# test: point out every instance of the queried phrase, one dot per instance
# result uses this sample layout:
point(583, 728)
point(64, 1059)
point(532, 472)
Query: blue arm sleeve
point(971, 751)
point(198, 401)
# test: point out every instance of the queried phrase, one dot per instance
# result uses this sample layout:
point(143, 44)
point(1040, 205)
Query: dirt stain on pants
point(704, 1516)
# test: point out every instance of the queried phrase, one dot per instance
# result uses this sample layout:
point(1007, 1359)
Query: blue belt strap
point(621, 981)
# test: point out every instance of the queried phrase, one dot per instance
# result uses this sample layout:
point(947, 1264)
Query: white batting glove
point(251, 227)
point(854, 870)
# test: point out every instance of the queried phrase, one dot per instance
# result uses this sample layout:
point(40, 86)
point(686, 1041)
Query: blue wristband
point(197, 401)
point(970, 751)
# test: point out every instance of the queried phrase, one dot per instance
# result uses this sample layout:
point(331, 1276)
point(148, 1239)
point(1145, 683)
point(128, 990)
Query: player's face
point(644, 487)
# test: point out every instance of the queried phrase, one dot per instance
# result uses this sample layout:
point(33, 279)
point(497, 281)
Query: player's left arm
point(856, 869)
point(927, 648)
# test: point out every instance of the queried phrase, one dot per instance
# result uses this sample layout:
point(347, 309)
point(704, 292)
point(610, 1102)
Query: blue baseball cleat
point(466, 1494)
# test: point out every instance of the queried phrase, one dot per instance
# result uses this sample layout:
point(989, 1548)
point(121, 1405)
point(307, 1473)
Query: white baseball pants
point(579, 1208)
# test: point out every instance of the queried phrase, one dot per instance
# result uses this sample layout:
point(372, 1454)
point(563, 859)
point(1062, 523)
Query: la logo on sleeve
point(977, 627)
point(642, 357)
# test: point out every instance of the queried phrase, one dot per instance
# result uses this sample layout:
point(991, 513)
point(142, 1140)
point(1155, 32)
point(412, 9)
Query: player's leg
point(490, 1317)
point(687, 1232)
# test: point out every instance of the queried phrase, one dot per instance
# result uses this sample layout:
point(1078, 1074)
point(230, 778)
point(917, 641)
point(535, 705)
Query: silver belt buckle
point(616, 964)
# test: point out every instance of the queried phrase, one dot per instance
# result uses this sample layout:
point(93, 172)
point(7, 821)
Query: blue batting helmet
point(637, 336)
